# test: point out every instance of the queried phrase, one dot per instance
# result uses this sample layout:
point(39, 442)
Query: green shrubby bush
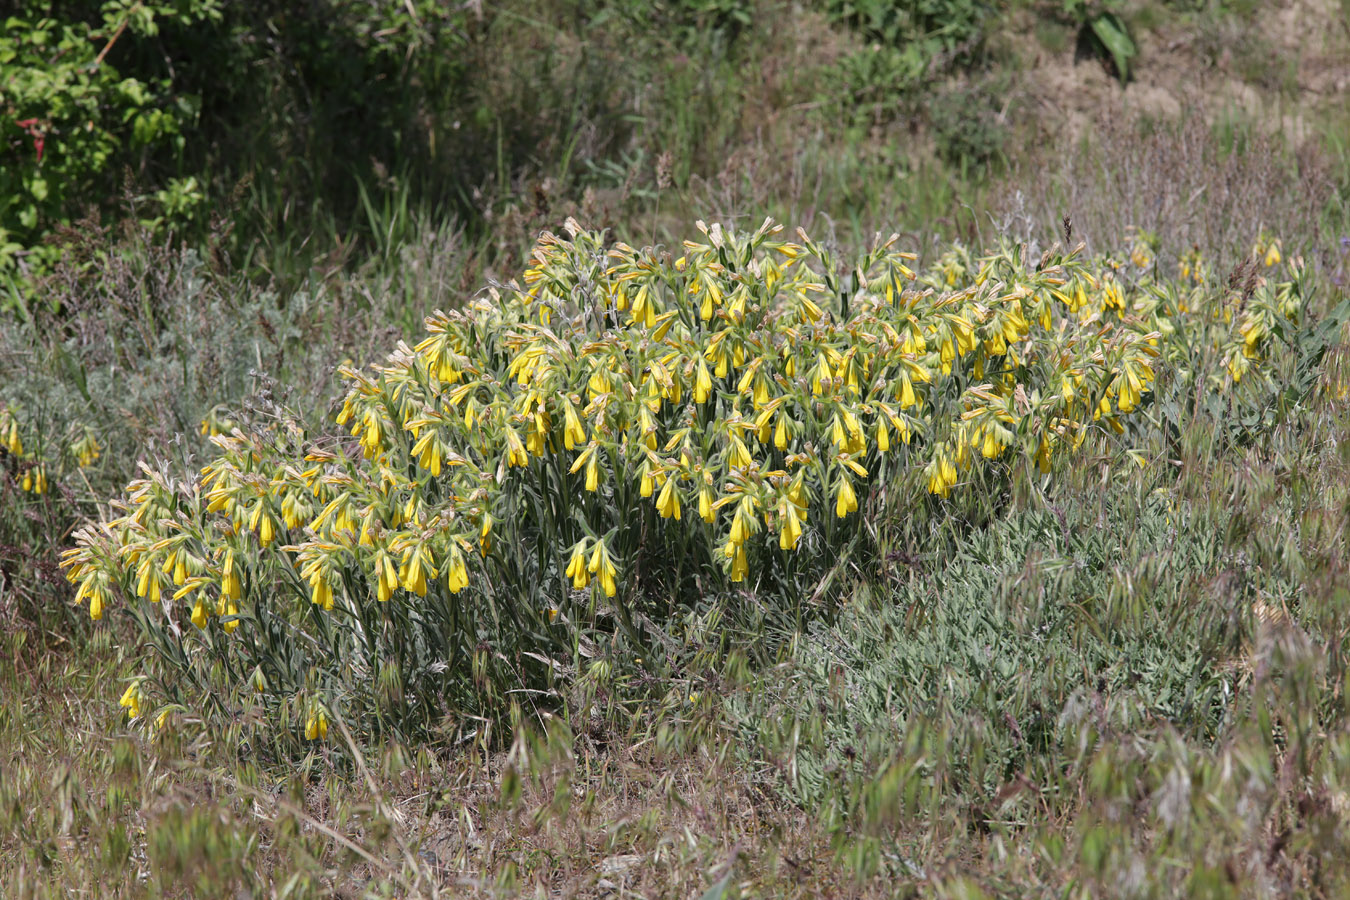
point(561, 469)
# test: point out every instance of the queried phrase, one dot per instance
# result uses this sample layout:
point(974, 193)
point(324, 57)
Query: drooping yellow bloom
point(576, 566)
point(457, 575)
point(740, 454)
point(907, 398)
point(791, 527)
point(417, 569)
point(845, 500)
point(131, 700)
point(35, 480)
point(1272, 254)
point(386, 576)
point(321, 593)
point(601, 566)
point(941, 474)
point(740, 565)
point(231, 609)
point(516, 454)
point(199, 612)
point(316, 726)
point(229, 577)
point(668, 504)
point(573, 434)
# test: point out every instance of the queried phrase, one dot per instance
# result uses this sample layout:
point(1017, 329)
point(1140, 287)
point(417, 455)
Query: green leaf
point(1115, 37)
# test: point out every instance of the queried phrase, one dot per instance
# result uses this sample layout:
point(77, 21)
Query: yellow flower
point(576, 566)
point(199, 612)
point(907, 398)
point(457, 578)
point(316, 726)
point(668, 504)
point(229, 578)
point(1272, 254)
point(417, 568)
point(740, 454)
point(35, 480)
point(601, 566)
point(386, 576)
point(705, 504)
point(792, 527)
point(516, 454)
point(573, 434)
point(740, 565)
point(702, 383)
point(845, 501)
point(321, 593)
point(131, 699)
point(231, 609)
point(1043, 456)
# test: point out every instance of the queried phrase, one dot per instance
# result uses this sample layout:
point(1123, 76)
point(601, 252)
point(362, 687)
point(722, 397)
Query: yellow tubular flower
point(321, 594)
point(457, 578)
point(601, 566)
point(907, 398)
point(131, 700)
point(386, 576)
point(845, 501)
point(199, 612)
point(668, 504)
point(576, 567)
point(990, 447)
point(229, 583)
point(516, 454)
point(573, 434)
point(791, 528)
point(739, 532)
point(231, 609)
point(740, 454)
point(705, 504)
point(740, 566)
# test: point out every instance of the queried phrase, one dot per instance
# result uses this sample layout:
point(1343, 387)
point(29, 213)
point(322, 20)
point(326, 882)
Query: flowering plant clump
point(619, 434)
point(32, 470)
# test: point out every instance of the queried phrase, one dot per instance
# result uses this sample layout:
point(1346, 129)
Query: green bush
point(561, 469)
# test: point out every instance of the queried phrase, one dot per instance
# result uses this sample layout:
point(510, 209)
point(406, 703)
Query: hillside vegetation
point(719, 448)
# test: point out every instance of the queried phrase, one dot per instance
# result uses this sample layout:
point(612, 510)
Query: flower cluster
point(740, 398)
point(31, 469)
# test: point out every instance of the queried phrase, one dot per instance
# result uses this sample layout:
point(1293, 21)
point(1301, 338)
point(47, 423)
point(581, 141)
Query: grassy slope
point(1133, 685)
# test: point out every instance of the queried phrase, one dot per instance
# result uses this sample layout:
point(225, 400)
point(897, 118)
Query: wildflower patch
point(616, 434)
